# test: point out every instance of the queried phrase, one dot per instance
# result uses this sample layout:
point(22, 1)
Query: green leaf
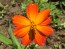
point(56, 11)
point(44, 0)
point(1, 17)
point(47, 5)
point(64, 24)
point(14, 39)
point(63, 3)
point(4, 39)
point(1, 5)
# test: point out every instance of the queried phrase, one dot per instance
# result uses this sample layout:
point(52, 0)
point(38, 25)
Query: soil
point(55, 41)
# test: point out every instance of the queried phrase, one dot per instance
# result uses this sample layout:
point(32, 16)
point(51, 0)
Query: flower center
point(33, 25)
point(32, 31)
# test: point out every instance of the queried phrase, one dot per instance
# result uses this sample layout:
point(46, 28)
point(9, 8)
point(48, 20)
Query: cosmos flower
point(33, 28)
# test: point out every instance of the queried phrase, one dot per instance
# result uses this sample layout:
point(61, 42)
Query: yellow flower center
point(32, 31)
point(33, 26)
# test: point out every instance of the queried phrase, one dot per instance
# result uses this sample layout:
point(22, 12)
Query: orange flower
point(35, 27)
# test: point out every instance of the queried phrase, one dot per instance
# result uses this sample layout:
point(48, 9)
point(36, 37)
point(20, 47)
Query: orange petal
point(26, 40)
point(46, 22)
point(39, 39)
point(42, 16)
point(32, 11)
point(19, 20)
point(46, 30)
point(20, 32)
